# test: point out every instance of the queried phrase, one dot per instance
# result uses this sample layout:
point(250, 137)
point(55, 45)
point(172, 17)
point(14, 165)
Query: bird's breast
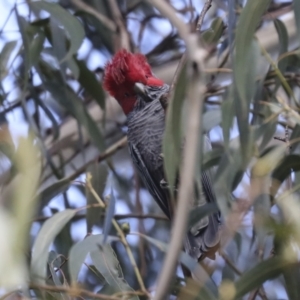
point(145, 131)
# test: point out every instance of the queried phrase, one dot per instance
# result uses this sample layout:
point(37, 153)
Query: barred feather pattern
point(146, 125)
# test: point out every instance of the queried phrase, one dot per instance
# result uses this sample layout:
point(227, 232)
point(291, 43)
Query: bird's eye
point(146, 76)
point(126, 94)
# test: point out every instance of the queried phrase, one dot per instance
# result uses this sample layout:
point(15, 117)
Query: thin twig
point(71, 291)
point(205, 8)
point(102, 156)
point(124, 40)
point(117, 217)
point(230, 263)
point(121, 235)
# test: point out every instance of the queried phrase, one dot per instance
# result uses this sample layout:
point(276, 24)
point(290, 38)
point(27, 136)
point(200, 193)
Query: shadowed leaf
point(69, 22)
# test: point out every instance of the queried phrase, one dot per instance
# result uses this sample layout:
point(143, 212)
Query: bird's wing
point(204, 237)
point(152, 180)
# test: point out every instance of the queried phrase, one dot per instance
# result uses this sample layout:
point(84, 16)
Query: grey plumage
point(146, 125)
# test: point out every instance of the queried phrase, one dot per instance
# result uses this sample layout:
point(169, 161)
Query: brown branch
point(123, 40)
point(196, 90)
point(205, 8)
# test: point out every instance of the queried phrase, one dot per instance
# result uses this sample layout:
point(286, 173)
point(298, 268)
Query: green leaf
point(245, 60)
point(62, 93)
point(248, 22)
point(4, 57)
point(48, 112)
point(89, 81)
point(44, 239)
point(52, 191)
point(296, 5)
point(36, 47)
point(173, 131)
point(211, 158)
point(106, 262)
point(214, 33)
point(282, 35)
point(254, 278)
point(285, 167)
point(211, 119)
point(70, 23)
point(268, 162)
point(109, 215)
point(79, 252)
point(228, 112)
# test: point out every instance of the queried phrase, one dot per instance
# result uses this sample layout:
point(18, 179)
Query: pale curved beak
point(139, 88)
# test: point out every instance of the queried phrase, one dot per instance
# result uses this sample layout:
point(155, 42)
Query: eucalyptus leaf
point(246, 57)
point(44, 239)
point(64, 18)
point(109, 215)
point(173, 131)
point(211, 119)
point(62, 93)
point(4, 57)
point(106, 262)
point(52, 191)
point(79, 252)
point(89, 81)
point(254, 278)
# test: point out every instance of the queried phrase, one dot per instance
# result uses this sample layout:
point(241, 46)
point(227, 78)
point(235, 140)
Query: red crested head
point(123, 72)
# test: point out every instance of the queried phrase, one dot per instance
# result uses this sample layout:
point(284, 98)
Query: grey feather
point(146, 125)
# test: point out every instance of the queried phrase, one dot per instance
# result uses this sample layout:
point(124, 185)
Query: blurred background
point(57, 124)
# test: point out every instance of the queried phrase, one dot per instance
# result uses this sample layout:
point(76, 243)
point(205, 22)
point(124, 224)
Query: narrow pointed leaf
point(44, 239)
point(70, 23)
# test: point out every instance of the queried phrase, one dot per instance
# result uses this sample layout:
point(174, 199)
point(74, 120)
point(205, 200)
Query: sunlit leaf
point(267, 163)
point(17, 213)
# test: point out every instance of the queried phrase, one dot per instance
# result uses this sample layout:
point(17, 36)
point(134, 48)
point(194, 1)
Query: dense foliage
point(75, 220)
